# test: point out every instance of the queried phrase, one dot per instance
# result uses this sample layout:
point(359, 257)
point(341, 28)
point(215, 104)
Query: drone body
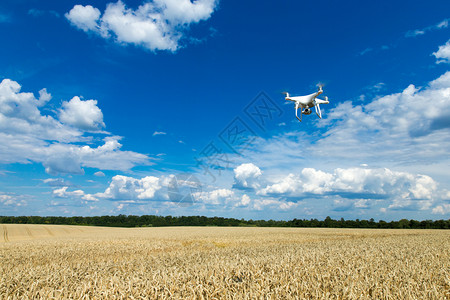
point(307, 102)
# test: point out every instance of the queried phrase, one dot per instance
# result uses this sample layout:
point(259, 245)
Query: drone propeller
point(320, 87)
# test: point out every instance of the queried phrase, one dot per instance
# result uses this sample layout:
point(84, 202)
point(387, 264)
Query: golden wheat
point(61, 262)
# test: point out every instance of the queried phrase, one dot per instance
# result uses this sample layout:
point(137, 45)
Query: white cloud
point(365, 51)
point(308, 181)
point(28, 136)
point(159, 133)
point(20, 114)
point(247, 176)
point(60, 182)
point(129, 188)
point(442, 83)
point(362, 203)
point(272, 204)
point(185, 11)
point(315, 181)
point(443, 24)
point(77, 194)
point(352, 188)
point(84, 17)
point(245, 200)
point(215, 197)
point(230, 199)
point(417, 32)
point(63, 193)
point(402, 189)
point(442, 209)
point(157, 25)
point(83, 114)
point(139, 190)
point(99, 174)
point(286, 186)
point(12, 200)
point(68, 158)
point(143, 27)
point(51, 180)
point(6, 199)
point(443, 53)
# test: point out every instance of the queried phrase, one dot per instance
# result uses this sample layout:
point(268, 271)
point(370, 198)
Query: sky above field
point(172, 107)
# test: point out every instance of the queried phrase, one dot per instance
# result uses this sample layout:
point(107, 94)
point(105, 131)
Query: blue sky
point(114, 107)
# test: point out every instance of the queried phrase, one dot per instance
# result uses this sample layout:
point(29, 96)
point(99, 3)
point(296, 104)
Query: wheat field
point(76, 262)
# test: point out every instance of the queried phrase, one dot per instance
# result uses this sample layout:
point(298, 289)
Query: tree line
point(158, 221)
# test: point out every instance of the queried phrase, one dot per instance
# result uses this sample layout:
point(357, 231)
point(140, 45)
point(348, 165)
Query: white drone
point(307, 102)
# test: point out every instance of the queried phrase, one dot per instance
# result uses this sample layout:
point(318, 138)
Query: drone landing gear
point(301, 113)
point(318, 112)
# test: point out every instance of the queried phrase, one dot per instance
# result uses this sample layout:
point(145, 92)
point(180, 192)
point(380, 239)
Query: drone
point(307, 102)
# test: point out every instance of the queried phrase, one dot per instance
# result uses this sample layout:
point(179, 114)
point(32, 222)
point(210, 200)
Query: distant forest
point(158, 221)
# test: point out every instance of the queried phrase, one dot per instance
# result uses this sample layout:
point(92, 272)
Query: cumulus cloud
point(129, 188)
point(26, 135)
point(215, 197)
point(231, 199)
point(20, 114)
point(6, 199)
point(64, 193)
point(247, 176)
point(68, 158)
point(126, 189)
point(352, 188)
point(442, 209)
point(84, 17)
point(259, 204)
point(354, 183)
point(443, 53)
point(83, 114)
point(402, 113)
point(245, 200)
point(308, 181)
point(358, 185)
point(157, 25)
point(12, 200)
